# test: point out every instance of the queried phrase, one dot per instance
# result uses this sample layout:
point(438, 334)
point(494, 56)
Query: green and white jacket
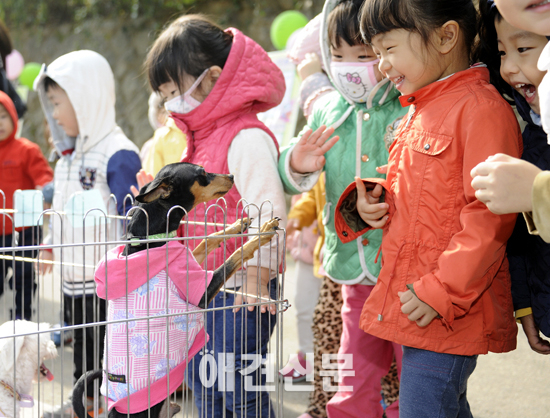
point(366, 132)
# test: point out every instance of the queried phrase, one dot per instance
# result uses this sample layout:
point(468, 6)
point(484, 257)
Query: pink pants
point(372, 358)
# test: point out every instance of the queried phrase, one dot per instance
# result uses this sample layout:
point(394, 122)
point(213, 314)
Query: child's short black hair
point(487, 49)
point(343, 23)
point(419, 16)
point(50, 84)
point(189, 45)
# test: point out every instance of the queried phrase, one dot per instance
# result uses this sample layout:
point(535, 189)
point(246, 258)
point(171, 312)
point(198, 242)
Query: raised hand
point(310, 65)
point(308, 155)
point(142, 177)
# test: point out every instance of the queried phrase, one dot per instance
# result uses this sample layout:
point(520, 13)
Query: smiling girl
point(444, 288)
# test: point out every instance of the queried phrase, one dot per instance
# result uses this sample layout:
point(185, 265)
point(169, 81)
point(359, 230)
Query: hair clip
point(491, 4)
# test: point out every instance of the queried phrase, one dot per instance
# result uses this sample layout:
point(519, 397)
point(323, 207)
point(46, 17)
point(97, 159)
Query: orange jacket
point(440, 237)
point(22, 166)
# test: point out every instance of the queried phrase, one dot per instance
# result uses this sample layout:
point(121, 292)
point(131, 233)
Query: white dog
point(21, 363)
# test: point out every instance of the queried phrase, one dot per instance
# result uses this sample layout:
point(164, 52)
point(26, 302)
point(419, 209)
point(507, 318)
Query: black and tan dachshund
point(185, 185)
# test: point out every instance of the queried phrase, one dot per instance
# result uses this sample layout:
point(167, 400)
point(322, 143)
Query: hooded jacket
point(529, 255)
point(365, 131)
point(249, 83)
point(22, 166)
point(103, 159)
point(440, 238)
point(151, 284)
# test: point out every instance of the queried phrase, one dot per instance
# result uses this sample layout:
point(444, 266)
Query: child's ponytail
point(188, 46)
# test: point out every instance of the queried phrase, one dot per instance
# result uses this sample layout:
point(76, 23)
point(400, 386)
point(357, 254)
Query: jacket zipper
point(409, 118)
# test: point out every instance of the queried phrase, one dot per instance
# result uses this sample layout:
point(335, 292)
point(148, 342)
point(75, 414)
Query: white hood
point(89, 83)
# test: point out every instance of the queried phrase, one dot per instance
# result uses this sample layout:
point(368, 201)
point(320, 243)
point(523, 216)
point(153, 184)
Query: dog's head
point(179, 184)
point(26, 353)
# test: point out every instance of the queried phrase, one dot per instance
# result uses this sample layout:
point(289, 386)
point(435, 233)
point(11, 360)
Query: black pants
point(88, 341)
point(23, 272)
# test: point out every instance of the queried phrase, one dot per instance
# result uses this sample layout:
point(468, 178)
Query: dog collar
point(171, 234)
point(25, 401)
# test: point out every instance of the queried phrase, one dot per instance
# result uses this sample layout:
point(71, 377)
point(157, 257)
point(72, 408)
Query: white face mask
point(185, 103)
point(356, 79)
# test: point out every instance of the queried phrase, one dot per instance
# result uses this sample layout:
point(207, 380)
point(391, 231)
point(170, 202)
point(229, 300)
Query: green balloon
point(29, 73)
point(284, 25)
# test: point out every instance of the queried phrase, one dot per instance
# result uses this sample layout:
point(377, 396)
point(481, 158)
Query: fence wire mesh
point(149, 338)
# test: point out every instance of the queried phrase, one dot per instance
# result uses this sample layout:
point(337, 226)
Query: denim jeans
point(233, 335)
point(434, 385)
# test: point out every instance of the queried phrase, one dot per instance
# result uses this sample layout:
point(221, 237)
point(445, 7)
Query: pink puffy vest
point(250, 83)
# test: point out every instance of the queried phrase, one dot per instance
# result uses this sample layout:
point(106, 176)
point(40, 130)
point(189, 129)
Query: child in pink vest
point(214, 83)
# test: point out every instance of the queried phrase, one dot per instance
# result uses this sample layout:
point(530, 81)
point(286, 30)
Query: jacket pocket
point(436, 176)
point(429, 143)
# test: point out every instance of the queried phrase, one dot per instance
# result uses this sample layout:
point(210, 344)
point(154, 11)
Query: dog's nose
point(230, 177)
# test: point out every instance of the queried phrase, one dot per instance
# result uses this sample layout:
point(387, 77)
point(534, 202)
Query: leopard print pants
point(327, 328)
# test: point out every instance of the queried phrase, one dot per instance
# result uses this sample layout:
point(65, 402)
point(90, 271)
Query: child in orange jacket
point(444, 288)
point(22, 166)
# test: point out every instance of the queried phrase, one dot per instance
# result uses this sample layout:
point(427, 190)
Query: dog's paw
point(241, 225)
point(270, 226)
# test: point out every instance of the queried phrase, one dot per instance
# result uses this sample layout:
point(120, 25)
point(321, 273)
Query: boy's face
point(6, 124)
point(530, 15)
point(63, 111)
point(519, 53)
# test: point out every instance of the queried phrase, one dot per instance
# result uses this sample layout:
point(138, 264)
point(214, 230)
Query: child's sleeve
point(347, 222)
point(304, 210)
point(312, 89)
point(519, 248)
point(39, 170)
point(475, 253)
point(121, 174)
point(538, 221)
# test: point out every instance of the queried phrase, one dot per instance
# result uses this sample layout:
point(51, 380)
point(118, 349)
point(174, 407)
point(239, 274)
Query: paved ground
point(513, 385)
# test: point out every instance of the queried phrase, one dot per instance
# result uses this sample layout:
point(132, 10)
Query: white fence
point(239, 354)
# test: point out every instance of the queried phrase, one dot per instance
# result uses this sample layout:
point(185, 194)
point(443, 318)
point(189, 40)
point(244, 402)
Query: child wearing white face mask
point(214, 83)
point(363, 112)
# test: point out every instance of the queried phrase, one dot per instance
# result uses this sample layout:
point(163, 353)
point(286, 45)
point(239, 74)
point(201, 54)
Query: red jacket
point(22, 165)
point(440, 237)
point(250, 83)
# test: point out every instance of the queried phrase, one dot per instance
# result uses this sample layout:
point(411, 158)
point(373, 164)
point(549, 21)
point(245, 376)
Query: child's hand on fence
point(368, 204)
point(310, 65)
point(417, 311)
point(142, 177)
point(44, 255)
point(308, 155)
point(532, 333)
point(504, 183)
point(250, 288)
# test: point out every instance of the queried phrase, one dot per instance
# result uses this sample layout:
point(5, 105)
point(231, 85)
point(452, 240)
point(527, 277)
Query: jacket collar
point(439, 88)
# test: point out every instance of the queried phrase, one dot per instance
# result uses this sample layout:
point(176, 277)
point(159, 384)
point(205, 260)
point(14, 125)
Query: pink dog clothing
point(138, 354)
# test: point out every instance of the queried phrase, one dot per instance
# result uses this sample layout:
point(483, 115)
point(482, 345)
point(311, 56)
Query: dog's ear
point(159, 188)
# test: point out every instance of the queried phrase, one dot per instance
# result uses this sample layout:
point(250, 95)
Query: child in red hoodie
point(22, 166)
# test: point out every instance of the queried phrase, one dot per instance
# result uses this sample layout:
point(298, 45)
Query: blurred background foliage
point(17, 13)
point(123, 31)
